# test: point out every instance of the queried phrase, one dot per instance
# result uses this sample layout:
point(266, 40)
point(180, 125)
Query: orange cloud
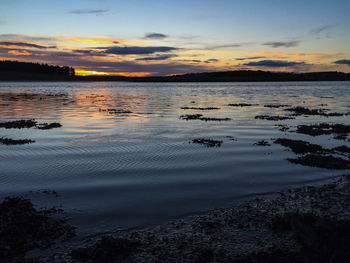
point(20, 52)
point(101, 40)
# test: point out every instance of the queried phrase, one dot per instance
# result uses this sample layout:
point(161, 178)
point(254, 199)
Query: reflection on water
point(123, 157)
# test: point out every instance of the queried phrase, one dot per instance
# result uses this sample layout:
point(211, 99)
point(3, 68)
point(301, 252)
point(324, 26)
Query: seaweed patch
point(207, 142)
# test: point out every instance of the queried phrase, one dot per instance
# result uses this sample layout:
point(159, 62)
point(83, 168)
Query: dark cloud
point(159, 57)
point(89, 11)
point(24, 44)
point(191, 60)
point(89, 52)
point(249, 58)
point(278, 44)
point(225, 46)
point(211, 60)
point(321, 29)
point(342, 62)
point(156, 36)
point(274, 63)
point(136, 50)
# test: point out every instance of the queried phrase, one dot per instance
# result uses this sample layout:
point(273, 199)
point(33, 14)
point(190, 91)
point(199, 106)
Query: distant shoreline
point(23, 71)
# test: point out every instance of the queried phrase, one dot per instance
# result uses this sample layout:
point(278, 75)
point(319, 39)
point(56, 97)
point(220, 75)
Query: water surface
point(121, 170)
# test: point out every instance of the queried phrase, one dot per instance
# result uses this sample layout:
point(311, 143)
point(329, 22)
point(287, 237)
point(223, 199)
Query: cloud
point(278, 44)
point(342, 62)
point(274, 63)
point(89, 11)
point(26, 37)
point(136, 50)
point(156, 36)
point(249, 58)
point(212, 60)
point(225, 46)
point(159, 57)
point(321, 29)
point(19, 52)
point(23, 44)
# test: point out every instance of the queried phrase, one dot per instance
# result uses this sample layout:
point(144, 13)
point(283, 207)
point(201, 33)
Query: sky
point(144, 38)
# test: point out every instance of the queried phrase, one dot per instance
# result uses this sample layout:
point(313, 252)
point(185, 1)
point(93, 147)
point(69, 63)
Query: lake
point(124, 158)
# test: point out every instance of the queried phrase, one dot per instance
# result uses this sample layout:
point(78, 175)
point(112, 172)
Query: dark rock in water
point(20, 124)
point(191, 117)
point(273, 118)
point(107, 249)
point(200, 117)
point(323, 129)
point(275, 105)
point(262, 143)
point(301, 147)
point(343, 149)
point(242, 105)
point(48, 126)
point(200, 108)
point(23, 228)
point(321, 161)
point(115, 111)
point(322, 239)
point(283, 128)
point(342, 136)
point(305, 111)
point(214, 119)
point(8, 141)
point(207, 142)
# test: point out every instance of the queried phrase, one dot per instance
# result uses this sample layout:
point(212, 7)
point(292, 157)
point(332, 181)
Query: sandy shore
point(308, 224)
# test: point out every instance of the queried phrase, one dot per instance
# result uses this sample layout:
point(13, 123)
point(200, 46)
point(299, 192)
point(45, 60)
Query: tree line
point(36, 68)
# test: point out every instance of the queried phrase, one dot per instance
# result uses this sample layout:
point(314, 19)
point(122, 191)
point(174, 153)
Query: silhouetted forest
point(249, 76)
point(15, 70)
point(25, 71)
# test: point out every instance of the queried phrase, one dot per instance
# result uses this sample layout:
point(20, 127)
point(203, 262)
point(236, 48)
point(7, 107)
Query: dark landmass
point(25, 71)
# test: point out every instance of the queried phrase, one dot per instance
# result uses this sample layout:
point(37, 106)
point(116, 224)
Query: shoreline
point(305, 224)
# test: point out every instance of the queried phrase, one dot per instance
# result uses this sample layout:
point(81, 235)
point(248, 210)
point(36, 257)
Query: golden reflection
point(81, 72)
